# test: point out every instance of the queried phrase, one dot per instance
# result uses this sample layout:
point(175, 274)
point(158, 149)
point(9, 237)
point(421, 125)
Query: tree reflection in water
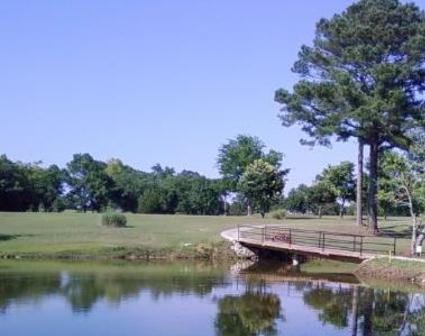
point(368, 311)
point(251, 313)
point(83, 289)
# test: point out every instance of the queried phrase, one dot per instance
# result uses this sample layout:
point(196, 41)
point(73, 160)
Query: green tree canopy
point(235, 156)
point(30, 186)
point(91, 185)
point(321, 194)
point(341, 179)
point(263, 184)
point(298, 199)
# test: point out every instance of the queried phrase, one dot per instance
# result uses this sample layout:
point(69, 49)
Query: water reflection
point(261, 301)
point(251, 313)
point(84, 286)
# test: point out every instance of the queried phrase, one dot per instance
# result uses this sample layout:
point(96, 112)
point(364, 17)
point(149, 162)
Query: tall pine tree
point(363, 77)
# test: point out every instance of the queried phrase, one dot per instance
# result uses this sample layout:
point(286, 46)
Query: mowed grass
point(71, 233)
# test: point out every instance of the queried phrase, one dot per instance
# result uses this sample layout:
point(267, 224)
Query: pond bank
point(202, 251)
point(393, 269)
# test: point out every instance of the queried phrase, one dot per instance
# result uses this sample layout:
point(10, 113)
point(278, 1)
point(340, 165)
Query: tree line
point(252, 179)
point(87, 184)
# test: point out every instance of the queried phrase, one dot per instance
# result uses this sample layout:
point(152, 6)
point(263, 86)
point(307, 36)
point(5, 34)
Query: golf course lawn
point(72, 234)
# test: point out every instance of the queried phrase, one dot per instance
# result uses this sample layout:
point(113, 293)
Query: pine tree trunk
point(373, 188)
point(320, 212)
point(359, 201)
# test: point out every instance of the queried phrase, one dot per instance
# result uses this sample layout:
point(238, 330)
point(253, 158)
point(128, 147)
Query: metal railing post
point(290, 237)
point(323, 241)
point(395, 245)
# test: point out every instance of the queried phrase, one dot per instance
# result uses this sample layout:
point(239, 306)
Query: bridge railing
point(319, 239)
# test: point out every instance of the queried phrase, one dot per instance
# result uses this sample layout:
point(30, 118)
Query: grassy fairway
point(76, 234)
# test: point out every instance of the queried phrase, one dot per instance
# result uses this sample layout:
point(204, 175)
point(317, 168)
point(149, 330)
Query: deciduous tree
point(262, 183)
point(236, 155)
point(341, 179)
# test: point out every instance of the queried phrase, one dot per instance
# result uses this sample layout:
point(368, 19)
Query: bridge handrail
point(319, 239)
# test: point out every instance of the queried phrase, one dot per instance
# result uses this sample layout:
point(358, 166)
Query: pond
point(129, 298)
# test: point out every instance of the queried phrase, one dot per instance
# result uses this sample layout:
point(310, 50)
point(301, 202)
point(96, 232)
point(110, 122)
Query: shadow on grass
point(6, 237)
point(393, 232)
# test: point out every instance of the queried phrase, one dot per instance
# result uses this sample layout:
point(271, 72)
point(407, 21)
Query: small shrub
point(279, 214)
point(114, 219)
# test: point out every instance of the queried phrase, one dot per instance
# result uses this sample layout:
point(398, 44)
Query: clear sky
point(154, 81)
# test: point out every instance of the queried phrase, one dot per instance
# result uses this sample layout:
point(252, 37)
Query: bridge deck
point(325, 244)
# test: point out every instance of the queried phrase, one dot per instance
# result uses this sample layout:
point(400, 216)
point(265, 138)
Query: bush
point(114, 219)
point(279, 214)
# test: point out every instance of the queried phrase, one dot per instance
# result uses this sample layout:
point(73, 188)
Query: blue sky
point(154, 81)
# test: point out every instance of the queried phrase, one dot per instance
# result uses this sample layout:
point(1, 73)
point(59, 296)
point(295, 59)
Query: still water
point(53, 298)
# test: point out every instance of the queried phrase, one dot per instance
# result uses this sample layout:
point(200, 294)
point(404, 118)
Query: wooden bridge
point(311, 243)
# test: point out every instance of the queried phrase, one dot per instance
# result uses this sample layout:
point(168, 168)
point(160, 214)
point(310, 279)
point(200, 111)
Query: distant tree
point(223, 189)
point(129, 184)
point(341, 179)
point(48, 187)
point(363, 78)
point(235, 156)
point(15, 189)
point(262, 183)
point(91, 187)
point(321, 194)
point(198, 195)
point(26, 187)
point(159, 172)
point(186, 192)
point(152, 202)
point(298, 199)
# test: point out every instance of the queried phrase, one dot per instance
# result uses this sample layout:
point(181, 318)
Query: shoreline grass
point(393, 269)
point(80, 235)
